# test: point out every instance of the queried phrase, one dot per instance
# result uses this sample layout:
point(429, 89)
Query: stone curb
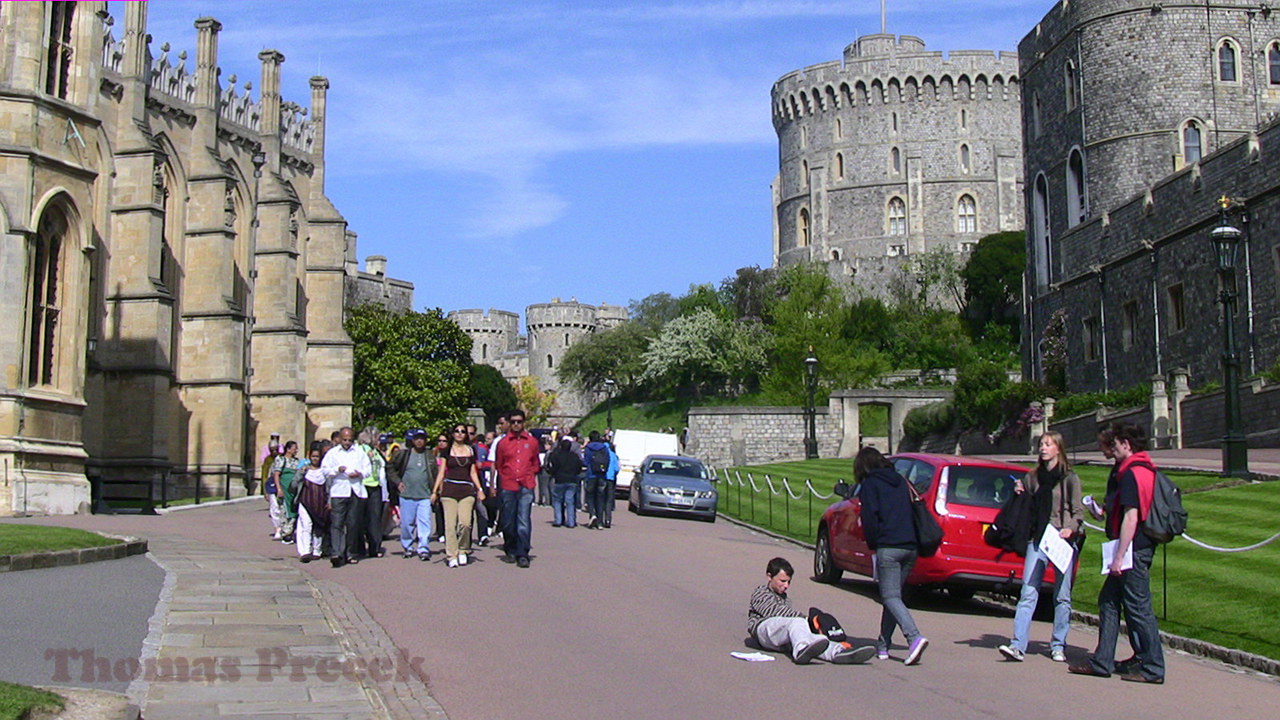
point(75, 556)
point(1192, 646)
point(210, 504)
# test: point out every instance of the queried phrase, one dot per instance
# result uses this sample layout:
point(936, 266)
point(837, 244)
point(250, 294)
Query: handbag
point(928, 531)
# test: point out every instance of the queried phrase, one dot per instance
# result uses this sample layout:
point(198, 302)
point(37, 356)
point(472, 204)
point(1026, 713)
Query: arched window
point(804, 137)
point(965, 160)
point(1035, 115)
point(44, 262)
point(839, 128)
point(1040, 227)
point(964, 119)
point(484, 351)
point(1076, 200)
point(1071, 81)
point(57, 71)
point(895, 160)
point(1273, 63)
point(897, 216)
point(566, 339)
point(895, 121)
point(802, 228)
point(1228, 61)
point(550, 361)
point(804, 173)
point(966, 214)
point(1192, 142)
point(835, 254)
point(839, 166)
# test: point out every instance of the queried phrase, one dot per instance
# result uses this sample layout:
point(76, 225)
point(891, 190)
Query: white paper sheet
point(753, 656)
point(1059, 551)
point(1109, 554)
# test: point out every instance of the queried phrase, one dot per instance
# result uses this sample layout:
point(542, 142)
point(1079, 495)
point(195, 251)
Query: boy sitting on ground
point(777, 625)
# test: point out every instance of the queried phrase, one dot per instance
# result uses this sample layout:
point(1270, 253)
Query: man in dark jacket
point(565, 470)
point(596, 457)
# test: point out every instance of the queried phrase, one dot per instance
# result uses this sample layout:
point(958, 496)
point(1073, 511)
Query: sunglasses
point(459, 430)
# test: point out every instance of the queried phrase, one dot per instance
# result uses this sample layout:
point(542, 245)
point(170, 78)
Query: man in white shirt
point(345, 466)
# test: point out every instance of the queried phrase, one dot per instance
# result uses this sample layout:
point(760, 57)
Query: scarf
point(1046, 480)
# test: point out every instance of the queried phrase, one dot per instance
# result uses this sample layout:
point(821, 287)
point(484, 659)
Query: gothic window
point(897, 216)
point(1192, 142)
point(1128, 324)
point(1076, 199)
point(1177, 308)
point(1035, 115)
point(895, 160)
point(966, 214)
point(804, 173)
point(839, 128)
point(835, 254)
point(550, 361)
point(566, 339)
point(1040, 226)
point(1273, 63)
point(894, 117)
point(44, 262)
point(966, 162)
point(839, 166)
point(1228, 61)
point(802, 228)
point(484, 351)
point(58, 50)
point(1071, 81)
point(1092, 339)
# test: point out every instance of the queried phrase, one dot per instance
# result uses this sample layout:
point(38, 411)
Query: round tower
point(894, 151)
point(611, 316)
point(493, 333)
point(552, 328)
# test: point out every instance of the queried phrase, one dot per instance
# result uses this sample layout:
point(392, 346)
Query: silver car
point(673, 484)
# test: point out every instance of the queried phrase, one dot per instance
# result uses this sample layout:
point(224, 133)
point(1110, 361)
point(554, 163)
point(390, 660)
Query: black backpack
point(599, 462)
point(1166, 518)
point(1011, 530)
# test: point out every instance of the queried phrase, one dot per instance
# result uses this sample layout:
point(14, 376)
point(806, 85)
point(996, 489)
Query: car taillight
point(940, 500)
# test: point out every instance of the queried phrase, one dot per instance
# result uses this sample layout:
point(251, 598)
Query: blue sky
point(502, 153)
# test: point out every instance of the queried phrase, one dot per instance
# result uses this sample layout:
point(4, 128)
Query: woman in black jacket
point(565, 468)
point(890, 532)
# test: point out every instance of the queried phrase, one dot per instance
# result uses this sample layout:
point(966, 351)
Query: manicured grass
point(16, 701)
point(18, 539)
point(1223, 598)
point(653, 417)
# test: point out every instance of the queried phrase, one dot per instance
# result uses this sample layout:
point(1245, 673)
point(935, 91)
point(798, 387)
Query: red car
point(964, 494)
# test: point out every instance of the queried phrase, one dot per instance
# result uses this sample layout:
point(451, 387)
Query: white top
point(345, 484)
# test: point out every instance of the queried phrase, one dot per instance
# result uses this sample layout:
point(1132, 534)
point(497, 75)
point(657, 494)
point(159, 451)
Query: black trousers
point(342, 526)
point(367, 538)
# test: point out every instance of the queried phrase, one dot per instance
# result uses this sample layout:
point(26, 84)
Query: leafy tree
point(610, 354)
point(702, 351)
point(536, 403)
point(702, 297)
point(411, 369)
point(993, 281)
point(654, 311)
point(748, 292)
point(491, 392)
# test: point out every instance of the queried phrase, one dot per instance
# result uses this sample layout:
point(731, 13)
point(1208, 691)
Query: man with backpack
point(1128, 510)
point(596, 457)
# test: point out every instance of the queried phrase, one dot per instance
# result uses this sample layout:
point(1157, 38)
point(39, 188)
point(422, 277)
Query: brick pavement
point(239, 635)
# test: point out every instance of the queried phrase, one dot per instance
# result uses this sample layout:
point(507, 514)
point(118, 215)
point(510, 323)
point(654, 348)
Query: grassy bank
point(18, 701)
point(1223, 598)
point(18, 539)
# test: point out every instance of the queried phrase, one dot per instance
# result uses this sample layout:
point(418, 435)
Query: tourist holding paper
point(1057, 520)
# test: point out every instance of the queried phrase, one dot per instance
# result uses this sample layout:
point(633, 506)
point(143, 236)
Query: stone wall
point(1204, 419)
point(372, 285)
point(735, 436)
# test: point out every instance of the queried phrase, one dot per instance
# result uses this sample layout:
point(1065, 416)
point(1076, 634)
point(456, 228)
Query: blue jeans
point(517, 521)
point(415, 515)
point(1132, 589)
point(1032, 574)
point(893, 565)
point(564, 504)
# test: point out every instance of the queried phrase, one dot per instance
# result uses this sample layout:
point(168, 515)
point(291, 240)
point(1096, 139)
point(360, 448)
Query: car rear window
point(980, 486)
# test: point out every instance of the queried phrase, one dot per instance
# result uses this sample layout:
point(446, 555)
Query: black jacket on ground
point(886, 510)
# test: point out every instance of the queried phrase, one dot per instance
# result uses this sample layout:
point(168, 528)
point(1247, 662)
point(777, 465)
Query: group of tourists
point(1052, 494)
point(348, 493)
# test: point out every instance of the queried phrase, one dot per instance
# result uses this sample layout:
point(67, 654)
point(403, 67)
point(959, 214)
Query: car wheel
point(824, 567)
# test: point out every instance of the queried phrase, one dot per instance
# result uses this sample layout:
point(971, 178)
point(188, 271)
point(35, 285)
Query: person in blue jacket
point(595, 456)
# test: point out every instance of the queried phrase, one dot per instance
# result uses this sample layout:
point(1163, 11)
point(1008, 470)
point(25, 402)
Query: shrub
point(1079, 403)
point(929, 419)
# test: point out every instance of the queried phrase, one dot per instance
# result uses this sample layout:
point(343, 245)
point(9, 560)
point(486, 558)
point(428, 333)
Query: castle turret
point(493, 333)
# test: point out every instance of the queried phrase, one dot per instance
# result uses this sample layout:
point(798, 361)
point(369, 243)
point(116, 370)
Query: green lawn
point(18, 539)
point(1224, 598)
point(16, 701)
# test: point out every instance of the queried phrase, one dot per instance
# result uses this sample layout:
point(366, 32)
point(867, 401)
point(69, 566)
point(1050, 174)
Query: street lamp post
point(1235, 451)
point(608, 413)
point(811, 432)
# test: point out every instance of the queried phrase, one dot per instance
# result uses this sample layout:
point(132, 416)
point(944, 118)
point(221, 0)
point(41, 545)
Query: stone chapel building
point(173, 273)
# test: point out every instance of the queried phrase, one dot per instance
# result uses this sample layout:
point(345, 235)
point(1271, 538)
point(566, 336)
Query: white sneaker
point(453, 562)
point(1058, 656)
point(1013, 653)
point(462, 559)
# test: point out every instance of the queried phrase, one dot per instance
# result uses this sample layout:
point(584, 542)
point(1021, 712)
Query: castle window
point(966, 214)
point(804, 137)
point(1177, 308)
point(42, 297)
point(839, 128)
point(1035, 115)
point(1071, 82)
point(802, 228)
point(1273, 63)
point(1192, 142)
point(58, 51)
point(550, 361)
point(897, 216)
point(1076, 200)
point(484, 351)
point(835, 254)
point(897, 250)
point(1228, 60)
point(966, 162)
point(1092, 339)
point(1040, 227)
point(968, 246)
point(566, 339)
point(895, 160)
point(964, 119)
point(804, 173)
point(1128, 324)
point(839, 166)
point(894, 117)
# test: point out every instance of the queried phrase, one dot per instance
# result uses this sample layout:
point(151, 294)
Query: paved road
point(639, 621)
point(102, 607)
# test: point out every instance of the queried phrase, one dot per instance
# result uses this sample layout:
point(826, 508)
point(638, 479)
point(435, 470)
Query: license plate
point(681, 500)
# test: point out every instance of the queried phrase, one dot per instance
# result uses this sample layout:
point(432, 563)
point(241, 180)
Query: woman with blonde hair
point(1055, 492)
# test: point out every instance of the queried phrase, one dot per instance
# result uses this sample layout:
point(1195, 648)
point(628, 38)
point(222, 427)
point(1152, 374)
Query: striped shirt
point(766, 603)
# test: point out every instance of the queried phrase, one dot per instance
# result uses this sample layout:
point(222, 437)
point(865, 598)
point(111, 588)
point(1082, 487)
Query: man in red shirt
point(516, 460)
